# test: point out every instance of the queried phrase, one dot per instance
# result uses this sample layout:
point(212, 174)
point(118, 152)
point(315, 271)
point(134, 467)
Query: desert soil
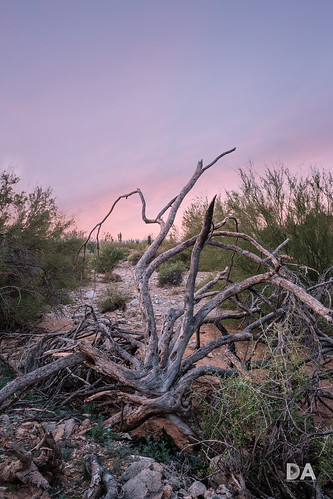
point(163, 298)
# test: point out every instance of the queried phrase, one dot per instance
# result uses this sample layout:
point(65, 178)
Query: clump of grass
point(113, 299)
point(171, 274)
point(135, 256)
point(108, 258)
point(111, 277)
point(101, 433)
point(162, 450)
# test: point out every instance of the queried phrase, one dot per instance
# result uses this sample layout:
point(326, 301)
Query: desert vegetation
point(37, 249)
point(268, 249)
point(273, 207)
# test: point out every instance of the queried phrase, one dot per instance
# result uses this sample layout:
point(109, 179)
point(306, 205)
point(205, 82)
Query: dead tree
point(151, 373)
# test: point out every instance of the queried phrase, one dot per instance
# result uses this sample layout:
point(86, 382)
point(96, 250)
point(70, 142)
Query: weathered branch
point(36, 376)
point(148, 373)
point(101, 478)
point(304, 297)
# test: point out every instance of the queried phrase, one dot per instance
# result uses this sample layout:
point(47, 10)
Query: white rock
point(147, 483)
point(197, 489)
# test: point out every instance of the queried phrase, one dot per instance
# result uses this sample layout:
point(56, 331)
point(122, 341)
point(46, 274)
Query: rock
point(50, 426)
point(84, 426)
point(223, 475)
point(59, 433)
point(210, 494)
point(5, 420)
point(197, 489)
point(69, 427)
point(134, 303)
point(145, 485)
point(182, 493)
point(86, 423)
point(20, 433)
point(167, 491)
point(90, 294)
point(158, 467)
point(224, 492)
point(175, 484)
point(136, 467)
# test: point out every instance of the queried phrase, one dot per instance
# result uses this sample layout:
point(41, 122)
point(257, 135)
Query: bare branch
point(34, 377)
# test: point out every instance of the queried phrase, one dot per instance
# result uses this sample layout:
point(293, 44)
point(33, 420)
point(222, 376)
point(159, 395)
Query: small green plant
point(97, 433)
point(101, 433)
point(162, 449)
point(158, 451)
point(67, 449)
point(171, 274)
point(120, 453)
point(324, 453)
point(135, 256)
point(260, 418)
point(113, 299)
point(108, 258)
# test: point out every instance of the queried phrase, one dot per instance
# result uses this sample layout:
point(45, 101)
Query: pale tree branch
point(150, 372)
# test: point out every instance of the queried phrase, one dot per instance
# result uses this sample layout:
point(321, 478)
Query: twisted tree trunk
point(151, 373)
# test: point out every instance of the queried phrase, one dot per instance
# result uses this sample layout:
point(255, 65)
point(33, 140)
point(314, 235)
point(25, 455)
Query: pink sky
point(98, 98)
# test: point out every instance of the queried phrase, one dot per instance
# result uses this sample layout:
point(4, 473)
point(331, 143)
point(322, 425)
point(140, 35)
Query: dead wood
point(22, 466)
point(34, 377)
point(23, 469)
point(149, 373)
point(101, 480)
point(50, 459)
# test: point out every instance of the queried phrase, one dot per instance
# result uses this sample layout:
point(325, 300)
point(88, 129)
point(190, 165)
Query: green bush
point(279, 205)
point(162, 449)
point(113, 299)
point(261, 419)
point(135, 256)
point(36, 254)
point(108, 258)
point(271, 208)
point(170, 274)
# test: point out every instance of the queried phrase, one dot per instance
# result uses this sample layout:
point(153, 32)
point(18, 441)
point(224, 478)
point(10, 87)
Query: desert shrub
point(161, 448)
point(261, 419)
point(113, 299)
point(278, 205)
point(170, 274)
point(108, 257)
point(36, 254)
point(135, 256)
point(111, 277)
point(271, 208)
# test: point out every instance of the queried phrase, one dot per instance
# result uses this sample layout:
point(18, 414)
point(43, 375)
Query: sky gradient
point(100, 97)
